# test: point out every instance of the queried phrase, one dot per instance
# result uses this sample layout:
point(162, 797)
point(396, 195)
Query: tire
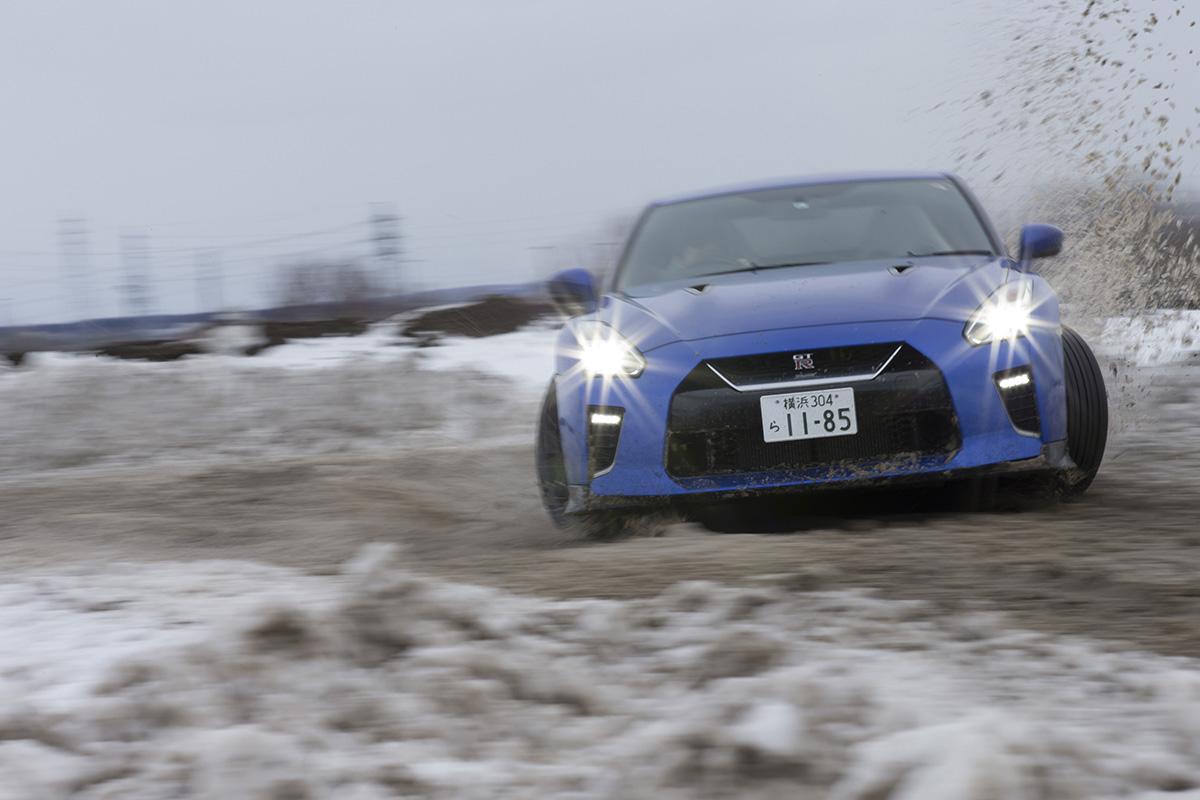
point(552, 480)
point(1087, 413)
point(551, 469)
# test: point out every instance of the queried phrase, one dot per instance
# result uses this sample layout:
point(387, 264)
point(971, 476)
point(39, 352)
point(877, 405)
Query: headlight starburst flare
point(1005, 315)
point(604, 352)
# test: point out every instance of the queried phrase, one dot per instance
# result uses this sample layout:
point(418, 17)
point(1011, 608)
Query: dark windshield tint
point(891, 219)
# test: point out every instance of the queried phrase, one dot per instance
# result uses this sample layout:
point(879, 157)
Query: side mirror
point(1039, 241)
point(573, 292)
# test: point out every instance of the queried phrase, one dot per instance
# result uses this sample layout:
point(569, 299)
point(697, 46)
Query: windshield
point(802, 225)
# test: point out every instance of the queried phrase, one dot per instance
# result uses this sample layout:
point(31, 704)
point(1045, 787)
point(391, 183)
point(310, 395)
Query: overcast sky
point(493, 127)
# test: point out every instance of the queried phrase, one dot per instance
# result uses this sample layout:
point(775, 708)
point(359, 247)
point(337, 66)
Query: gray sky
point(493, 127)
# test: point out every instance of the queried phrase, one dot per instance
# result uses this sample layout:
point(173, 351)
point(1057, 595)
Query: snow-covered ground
point(524, 355)
point(1157, 338)
point(310, 396)
point(235, 679)
point(218, 680)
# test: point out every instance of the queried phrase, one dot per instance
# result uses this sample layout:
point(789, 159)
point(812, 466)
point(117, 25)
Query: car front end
point(926, 403)
point(782, 348)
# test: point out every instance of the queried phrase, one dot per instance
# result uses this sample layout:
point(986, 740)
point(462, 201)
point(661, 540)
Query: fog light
point(1008, 382)
point(604, 433)
point(1019, 395)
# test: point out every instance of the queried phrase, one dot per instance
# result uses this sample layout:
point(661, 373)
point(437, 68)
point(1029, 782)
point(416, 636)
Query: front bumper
point(1053, 458)
point(988, 440)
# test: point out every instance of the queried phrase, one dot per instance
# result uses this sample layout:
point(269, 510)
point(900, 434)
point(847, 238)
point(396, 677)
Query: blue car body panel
point(680, 325)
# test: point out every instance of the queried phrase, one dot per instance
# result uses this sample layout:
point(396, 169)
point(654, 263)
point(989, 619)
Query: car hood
point(845, 293)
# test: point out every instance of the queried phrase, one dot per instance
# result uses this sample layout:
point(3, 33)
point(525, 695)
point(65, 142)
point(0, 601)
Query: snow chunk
point(771, 730)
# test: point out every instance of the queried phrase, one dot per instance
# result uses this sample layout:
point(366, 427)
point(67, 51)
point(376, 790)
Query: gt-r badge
point(803, 361)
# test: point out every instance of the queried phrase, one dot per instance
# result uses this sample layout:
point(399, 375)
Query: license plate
point(808, 415)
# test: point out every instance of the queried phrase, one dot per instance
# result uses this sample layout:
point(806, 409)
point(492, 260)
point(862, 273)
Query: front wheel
point(1087, 413)
point(552, 479)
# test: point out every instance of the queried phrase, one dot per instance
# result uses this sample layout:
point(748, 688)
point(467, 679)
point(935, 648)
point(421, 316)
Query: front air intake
point(1019, 394)
point(604, 432)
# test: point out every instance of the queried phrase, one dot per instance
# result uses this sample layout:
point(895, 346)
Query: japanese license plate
point(808, 415)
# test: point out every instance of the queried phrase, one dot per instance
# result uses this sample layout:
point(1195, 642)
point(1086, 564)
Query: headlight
point(1004, 315)
point(604, 352)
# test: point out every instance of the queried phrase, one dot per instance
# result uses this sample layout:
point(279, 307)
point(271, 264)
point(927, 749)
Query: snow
point(325, 395)
point(234, 337)
point(378, 345)
point(1154, 338)
point(526, 356)
point(769, 730)
point(186, 681)
point(221, 679)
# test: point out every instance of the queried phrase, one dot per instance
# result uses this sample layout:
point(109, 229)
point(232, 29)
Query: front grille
point(906, 411)
point(824, 364)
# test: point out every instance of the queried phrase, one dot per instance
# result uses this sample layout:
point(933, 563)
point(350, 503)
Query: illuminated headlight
point(604, 352)
point(1003, 316)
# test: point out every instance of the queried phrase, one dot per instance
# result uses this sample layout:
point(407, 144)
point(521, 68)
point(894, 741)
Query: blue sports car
point(815, 333)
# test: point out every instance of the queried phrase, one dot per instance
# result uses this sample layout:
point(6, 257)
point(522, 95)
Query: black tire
point(552, 479)
point(1087, 413)
point(551, 469)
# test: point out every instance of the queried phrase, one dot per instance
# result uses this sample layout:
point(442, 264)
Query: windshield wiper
point(750, 266)
point(782, 264)
point(951, 253)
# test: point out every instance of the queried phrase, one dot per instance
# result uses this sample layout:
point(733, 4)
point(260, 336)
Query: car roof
point(807, 180)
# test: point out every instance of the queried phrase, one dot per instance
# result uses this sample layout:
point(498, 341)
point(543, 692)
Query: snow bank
point(188, 682)
point(526, 356)
point(76, 412)
point(310, 396)
point(378, 344)
point(1153, 339)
